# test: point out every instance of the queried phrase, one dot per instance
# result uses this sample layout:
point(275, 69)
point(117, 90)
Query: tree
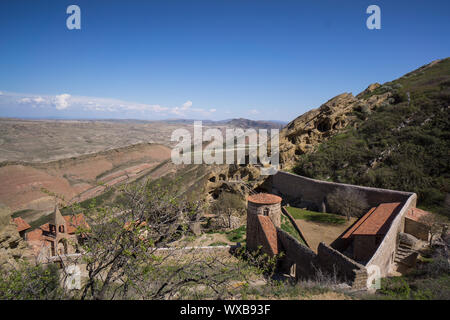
point(31, 282)
point(348, 202)
point(227, 206)
point(434, 224)
point(136, 250)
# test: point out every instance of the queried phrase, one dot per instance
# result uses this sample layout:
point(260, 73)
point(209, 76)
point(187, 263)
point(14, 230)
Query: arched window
point(61, 229)
point(266, 211)
point(62, 247)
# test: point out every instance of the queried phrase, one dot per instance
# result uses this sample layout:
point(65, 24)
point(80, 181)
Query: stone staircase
point(405, 253)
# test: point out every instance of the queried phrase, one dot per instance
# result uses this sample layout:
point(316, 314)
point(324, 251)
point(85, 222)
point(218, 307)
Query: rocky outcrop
point(12, 247)
point(235, 179)
point(313, 127)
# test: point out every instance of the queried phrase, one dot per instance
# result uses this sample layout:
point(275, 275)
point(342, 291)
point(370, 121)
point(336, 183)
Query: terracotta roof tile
point(416, 213)
point(264, 198)
point(21, 224)
point(357, 224)
point(35, 235)
point(378, 221)
point(45, 227)
point(75, 221)
point(270, 234)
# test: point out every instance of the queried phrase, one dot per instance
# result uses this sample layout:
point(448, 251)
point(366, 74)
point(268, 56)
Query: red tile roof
point(358, 223)
point(376, 221)
point(270, 234)
point(264, 198)
point(21, 224)
point(416, 213)
point(75, 221)
point(38, 235)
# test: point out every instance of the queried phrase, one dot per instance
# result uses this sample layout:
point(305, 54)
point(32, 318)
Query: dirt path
point(318, 232)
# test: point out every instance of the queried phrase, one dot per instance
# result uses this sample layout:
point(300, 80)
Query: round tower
point(263, 204)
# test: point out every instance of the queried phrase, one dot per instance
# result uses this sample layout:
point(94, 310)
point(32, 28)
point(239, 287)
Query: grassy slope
point(312, 216)
point(410, 141)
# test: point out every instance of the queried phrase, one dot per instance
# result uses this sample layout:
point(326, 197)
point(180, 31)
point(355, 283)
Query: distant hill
point(238, 123)
point(259, 124)
point(395, 136)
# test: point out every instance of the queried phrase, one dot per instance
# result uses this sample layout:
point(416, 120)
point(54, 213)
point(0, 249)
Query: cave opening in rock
point(324, 125)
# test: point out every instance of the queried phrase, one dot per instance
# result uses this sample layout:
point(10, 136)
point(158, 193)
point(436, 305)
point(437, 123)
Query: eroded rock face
point(313, 127)
point(234, 179)
point(12, 247)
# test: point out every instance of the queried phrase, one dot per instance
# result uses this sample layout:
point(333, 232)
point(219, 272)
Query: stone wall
point(294, 224)
point(295, 186)
point(385, 253)
point(296, 254)
point(417, 229)
point(331, 261)
point(345, 268)
point(271, 210)
point(255, 234)
point(364, 247)
point(307, 189)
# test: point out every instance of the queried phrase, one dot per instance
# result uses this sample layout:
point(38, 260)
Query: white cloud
point(39, 100)
point(85, 105)
point(1, 93)
point(61, 101)
point(25, 100)
point(187, 105)
point(254, 111)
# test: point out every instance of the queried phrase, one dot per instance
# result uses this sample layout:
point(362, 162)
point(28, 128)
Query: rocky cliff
point(12, 247)
point(391, 136)
point(315, 126)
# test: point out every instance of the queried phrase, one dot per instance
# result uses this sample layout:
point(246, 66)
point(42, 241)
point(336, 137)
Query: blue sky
point(214, 59)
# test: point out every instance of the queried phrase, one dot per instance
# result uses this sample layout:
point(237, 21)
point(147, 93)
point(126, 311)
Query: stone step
point(400, 250)
point(401, 257)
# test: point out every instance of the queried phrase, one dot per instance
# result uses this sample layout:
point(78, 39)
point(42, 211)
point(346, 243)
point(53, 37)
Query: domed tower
point(263, 204)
